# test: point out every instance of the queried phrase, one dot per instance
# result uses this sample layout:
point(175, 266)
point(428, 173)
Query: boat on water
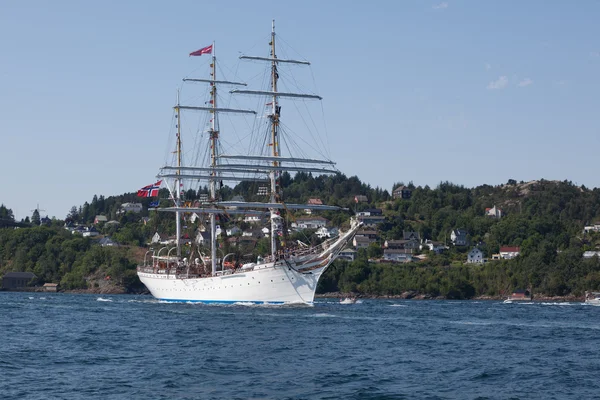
point(519, 295)
point(592, 298)
point(289, 273)
point(348, 300)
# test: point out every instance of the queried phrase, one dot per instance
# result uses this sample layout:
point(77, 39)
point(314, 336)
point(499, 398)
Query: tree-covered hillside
point(545, 219)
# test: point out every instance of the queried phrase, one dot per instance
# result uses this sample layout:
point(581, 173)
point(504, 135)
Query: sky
point(471, 92)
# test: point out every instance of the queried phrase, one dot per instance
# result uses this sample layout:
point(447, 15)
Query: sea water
point(74, 346)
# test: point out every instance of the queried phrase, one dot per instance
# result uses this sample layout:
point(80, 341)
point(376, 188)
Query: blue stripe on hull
point(227, 301)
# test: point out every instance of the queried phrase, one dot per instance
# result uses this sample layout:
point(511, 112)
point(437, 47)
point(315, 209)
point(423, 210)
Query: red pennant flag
point(204, 50)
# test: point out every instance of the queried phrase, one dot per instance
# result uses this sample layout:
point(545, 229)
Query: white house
point(509, 252)
point(133, 207)
point(233, 231)
point(202, 238)
point(347, 254)
point(361, 242)
point(592, 228)
point(494, 212)
point(436, 247)
point(475, 256)
point(324, 232)
point(371, 220)
point(90, 232)
point(459, 237)
point(313, 222)
point(100, 218)
point(397, 255)
point(252, 218)
point(158, 238)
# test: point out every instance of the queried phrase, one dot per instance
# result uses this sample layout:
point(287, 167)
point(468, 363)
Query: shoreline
point(409, 295)
point(420, 296)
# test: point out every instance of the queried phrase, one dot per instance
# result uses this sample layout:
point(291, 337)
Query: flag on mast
point(149, 190)
point(204, 50)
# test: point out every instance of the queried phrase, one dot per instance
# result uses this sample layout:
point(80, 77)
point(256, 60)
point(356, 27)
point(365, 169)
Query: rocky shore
point(413, 295)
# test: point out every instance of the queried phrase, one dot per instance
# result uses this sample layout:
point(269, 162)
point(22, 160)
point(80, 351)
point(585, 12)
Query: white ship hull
point(269, 284)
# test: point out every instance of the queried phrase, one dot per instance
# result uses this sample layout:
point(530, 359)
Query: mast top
point(273, 27)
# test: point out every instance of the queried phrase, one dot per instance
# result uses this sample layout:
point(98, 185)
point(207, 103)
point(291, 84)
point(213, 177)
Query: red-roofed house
point(509, 252)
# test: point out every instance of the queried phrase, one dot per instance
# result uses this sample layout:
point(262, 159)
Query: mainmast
point(274, 143)
point(213, 171)
point(214, 136)
point(177, 180)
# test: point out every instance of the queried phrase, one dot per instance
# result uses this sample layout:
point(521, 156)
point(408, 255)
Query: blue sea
point(74, 346)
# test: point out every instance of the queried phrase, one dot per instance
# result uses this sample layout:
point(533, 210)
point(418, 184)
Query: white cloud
point(440, 6)
point(525, 82)
point(499, 83)
point(488, 66)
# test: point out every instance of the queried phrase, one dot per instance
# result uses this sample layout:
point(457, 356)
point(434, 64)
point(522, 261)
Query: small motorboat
point(348, 300)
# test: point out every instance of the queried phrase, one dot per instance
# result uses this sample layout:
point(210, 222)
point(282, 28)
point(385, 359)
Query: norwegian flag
point(204, 50)
point(150, 190)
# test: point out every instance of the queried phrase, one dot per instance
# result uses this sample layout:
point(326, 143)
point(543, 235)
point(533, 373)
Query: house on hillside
point(107, 242)
point(362, 242)
point(370, 212)
point(494, 212)
point(90, 232)
point(370, 233)
point(397, 255)
point(133, 207)
point(253, 218)
point(475, 256)
point(347, 254)
point(411, 235)
point(401, 192)
point(592, 228)
point(508, 253)
point(312, 222)
point(590, 254)
point(325, 232)
point(158, 238)
point(436, 247)
point(361, 198)
point(459, 237)
point(312, 202)
point(99, 219)
point(371, 221)
point(202, 238)
point(234, 230)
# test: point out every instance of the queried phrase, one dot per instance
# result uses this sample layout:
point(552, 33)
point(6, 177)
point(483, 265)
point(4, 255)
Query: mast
point(214, 135)
point(274, 141)
point(177, 180)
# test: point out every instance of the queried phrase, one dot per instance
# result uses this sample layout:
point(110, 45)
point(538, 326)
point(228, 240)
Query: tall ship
point(290, 270)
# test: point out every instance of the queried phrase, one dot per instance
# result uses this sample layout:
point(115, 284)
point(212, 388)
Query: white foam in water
point(324, 315)
point(398, 305)
point(31, 298)
point(103, 299)
point(42, 298)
